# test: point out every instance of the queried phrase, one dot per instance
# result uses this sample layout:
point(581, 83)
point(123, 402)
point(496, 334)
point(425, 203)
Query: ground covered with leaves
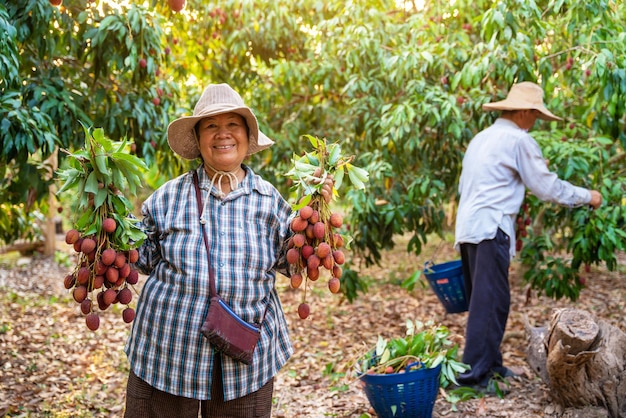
point(51, 365)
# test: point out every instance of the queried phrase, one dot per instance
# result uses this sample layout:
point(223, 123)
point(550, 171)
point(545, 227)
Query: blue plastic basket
point(446, 280)
point(403, 395)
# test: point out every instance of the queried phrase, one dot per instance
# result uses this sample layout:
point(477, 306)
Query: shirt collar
point(250, 182)
point(507, 123)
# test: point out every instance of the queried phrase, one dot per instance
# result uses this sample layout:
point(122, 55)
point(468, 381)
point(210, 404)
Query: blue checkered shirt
point(247, 231)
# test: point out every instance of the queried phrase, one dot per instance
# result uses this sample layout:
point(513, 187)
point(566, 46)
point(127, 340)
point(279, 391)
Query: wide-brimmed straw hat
point(525, 95)
point(215, 100)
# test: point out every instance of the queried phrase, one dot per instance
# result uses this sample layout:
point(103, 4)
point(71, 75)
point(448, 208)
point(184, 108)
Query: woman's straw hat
point(216, 99)
point(525, 95)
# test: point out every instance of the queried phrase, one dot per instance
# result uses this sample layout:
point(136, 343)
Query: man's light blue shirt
point(499, 164)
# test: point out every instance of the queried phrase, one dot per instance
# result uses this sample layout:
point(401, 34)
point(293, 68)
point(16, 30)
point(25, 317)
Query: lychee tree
point(66, 66)
point(403, 88)
point(399, 86)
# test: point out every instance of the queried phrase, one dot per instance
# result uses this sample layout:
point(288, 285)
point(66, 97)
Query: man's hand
point(596, 199)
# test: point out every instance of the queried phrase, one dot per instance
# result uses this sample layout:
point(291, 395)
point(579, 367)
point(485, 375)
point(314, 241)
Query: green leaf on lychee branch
point(98, 174)
point(303, 202)
point(358, 176)
point(70, 178)
point(102, 166)
point(100, 198)
point(91, 184)
point(327, 158)
point(334, 154)
point(129, 169)
point(338, 177)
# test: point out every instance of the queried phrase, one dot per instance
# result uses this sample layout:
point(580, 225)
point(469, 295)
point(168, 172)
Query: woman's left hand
point(327, 188)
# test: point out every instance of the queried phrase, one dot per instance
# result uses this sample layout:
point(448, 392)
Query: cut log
point(582, 360)
point(24, 248)
point(537, 352)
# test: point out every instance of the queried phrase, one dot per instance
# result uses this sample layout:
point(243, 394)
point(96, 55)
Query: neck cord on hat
point(217, 179)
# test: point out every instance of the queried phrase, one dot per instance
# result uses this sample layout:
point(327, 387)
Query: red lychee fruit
point(109, 225)
point(93, 321)
point(304, 310)
point(176, 5)
point(128, 315)
point(72, 236)
point(334, 285)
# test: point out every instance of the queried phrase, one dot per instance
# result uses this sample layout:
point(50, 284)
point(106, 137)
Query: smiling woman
point(246, 221)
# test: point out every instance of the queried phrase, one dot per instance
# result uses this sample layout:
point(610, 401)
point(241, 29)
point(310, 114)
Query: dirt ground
point(52, 366)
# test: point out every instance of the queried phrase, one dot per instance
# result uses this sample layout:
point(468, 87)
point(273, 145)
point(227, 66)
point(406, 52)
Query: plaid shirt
point(247, 231)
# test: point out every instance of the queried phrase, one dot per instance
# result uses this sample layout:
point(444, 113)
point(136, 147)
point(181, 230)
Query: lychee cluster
point(103, 271)
point(316, 244)
point(521, 226)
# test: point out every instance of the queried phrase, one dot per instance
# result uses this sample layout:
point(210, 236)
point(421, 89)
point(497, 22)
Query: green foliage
point(352, 284)
point(70, 65)
point(97, 173)
point(17, 223)
point(401, 88)
point(8, 52)
point(586, 236)
point(329, 159)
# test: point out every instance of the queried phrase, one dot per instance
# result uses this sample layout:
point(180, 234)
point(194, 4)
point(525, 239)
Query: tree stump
point(582, 360)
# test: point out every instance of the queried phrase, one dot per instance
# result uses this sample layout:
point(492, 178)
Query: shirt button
point(221, 264)
point(223, 203)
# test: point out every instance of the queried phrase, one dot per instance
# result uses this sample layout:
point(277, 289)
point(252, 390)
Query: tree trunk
point(582, 360)
point(50, 227)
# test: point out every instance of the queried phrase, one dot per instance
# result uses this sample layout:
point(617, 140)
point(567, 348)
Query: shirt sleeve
point(282, 266)
point(542, 182)
point(149, 251)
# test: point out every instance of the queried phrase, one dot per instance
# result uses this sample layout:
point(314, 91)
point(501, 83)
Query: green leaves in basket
point(427, 344)
point(382, 352)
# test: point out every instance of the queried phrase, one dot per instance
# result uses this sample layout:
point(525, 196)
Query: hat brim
point(507, 104)
point(181, 134)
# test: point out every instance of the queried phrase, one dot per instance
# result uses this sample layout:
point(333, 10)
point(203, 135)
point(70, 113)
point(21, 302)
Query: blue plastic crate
point(411, 394)
point(446, 280)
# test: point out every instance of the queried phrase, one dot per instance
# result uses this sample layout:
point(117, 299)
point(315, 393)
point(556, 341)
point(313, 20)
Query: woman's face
point(223, 141)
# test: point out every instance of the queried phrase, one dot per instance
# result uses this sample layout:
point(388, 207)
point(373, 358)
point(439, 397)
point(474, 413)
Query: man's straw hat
point(525, 95)
point(216, 99)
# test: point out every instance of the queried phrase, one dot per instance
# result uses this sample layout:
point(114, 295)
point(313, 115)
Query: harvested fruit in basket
point(317, 243)
point(104, 234)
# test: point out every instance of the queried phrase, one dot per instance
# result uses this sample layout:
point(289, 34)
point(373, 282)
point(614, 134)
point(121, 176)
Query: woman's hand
point(327, 187)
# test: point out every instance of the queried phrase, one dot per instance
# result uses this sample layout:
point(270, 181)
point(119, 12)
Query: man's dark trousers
point(486, 275)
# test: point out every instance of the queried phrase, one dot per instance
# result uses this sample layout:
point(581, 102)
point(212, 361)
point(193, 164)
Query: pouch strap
point(212, 287)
